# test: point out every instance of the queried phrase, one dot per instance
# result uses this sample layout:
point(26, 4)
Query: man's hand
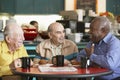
point(43, 61)
point(66, 62)
point(74, 62)
point(90, 50)
point(18, 63)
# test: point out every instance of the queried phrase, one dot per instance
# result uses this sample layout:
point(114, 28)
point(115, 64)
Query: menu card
point(56, 69)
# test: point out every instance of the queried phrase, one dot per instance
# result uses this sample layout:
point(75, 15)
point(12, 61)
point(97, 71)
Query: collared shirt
point(56, 50)
point(106, 54)
point(6, 57)
point(44, 48)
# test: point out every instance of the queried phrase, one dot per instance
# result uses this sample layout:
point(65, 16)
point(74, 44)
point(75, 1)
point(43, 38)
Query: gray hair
point(9, 29)
point(103, 23)
point(52, 25)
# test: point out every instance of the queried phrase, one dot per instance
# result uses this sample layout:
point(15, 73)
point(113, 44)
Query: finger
point(87, 50)
point(92, 48)
point(17, 63)
point(93, 45)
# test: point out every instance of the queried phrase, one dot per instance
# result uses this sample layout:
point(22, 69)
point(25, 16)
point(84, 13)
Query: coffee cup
point(25, 63)
point(58, 60)
point(36, 62)
point(83, 62)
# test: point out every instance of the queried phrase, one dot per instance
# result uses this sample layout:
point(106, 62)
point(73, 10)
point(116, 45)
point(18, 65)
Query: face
point(118, 19)
point(96, 34)
point(57, 35)
point(16, 40)
point(36, 25)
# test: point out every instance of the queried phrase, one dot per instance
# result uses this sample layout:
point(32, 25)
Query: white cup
point(68, 31)
point(78, 37)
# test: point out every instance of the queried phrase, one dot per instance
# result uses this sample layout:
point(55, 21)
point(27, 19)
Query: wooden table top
point(80, 73)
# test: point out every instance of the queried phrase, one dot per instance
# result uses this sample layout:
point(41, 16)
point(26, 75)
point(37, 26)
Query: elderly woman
point(11, 48)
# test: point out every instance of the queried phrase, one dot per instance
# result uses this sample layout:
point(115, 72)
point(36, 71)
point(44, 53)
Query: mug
point(84, 62)
point(68, 31)
point(36, 62)
point(25, 63)
point(58, 60)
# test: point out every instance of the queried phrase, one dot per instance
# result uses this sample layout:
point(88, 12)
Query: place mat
point(56, 69)
point(46, 65)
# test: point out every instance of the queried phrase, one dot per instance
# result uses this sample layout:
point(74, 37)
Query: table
point(81, 73)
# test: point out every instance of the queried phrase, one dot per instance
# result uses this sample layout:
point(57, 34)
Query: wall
point(101, 6)
point(31, 6)
point(43, 20)
point(69, 4)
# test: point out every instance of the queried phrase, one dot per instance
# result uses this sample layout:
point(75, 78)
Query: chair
point(11, 77)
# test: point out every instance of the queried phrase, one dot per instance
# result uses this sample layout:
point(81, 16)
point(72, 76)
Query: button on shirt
point(107, 54)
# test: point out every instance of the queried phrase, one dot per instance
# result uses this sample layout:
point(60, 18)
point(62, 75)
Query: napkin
point(56, 69)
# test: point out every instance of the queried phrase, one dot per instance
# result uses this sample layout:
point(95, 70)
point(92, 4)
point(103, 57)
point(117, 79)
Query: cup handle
point(18, 63)
point(54, 60)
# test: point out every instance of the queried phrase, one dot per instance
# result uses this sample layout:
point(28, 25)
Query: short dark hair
point(33, 22)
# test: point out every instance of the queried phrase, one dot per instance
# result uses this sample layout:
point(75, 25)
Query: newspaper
point(56, 69)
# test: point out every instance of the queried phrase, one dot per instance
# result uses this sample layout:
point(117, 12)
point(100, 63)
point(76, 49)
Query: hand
point(12, 66)
point(90, 50)
point(17, 63)
point(74, 62)
point(43, 61)
point(66, 62)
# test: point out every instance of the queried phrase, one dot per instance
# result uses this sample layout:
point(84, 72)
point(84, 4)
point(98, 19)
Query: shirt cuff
point(92, 57)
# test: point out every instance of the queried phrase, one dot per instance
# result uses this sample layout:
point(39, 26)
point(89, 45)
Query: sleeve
point(82, 52)
point(37, 48)
point(75, 48)
point(23, 51)
point(110, 58)
point(73, 45)
point(5, 70)
point(40, 50)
